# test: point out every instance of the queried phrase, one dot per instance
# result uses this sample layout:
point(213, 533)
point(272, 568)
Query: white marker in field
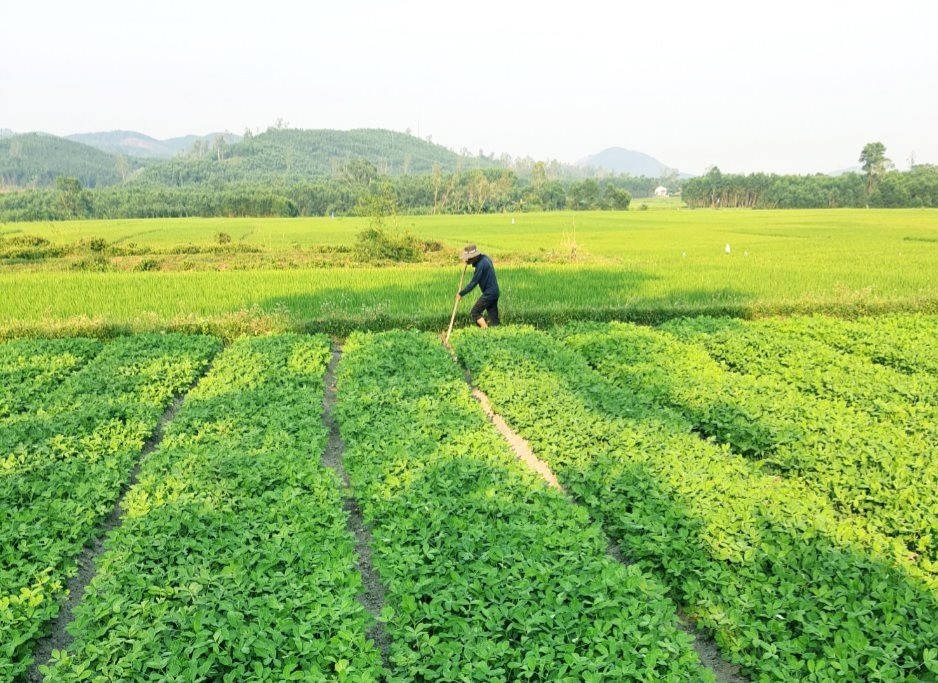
point(512, 221)
point(727, 250)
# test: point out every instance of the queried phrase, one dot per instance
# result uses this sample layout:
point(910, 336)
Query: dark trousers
point(485, 303)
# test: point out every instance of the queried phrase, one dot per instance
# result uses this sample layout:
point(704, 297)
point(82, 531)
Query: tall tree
point(219, 146)
point(875, 164)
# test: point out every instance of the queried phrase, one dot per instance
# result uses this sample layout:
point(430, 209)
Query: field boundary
point(58, 637)
point(373, 597)
point(702, 642)
point(259, 321)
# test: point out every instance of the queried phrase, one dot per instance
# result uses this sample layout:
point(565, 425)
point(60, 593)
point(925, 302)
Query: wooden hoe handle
point(452, 318)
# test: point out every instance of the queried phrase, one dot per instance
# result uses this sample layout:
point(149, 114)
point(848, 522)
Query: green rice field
point(638, 265)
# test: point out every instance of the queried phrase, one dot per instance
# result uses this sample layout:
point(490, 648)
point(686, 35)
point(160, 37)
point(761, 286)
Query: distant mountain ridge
point(621, 160)
point(134, 144)
point(279, 155)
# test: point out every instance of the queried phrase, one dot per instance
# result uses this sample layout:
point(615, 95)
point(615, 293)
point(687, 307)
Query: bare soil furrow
point(703, 644)
point(58, 637)
point(373, 597)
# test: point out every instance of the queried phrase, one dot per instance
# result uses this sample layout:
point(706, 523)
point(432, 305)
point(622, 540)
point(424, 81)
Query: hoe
point(452, 318)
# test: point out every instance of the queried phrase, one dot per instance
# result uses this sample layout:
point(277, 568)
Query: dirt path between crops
point(703, 644)
point(58, 638)
point(373, 597)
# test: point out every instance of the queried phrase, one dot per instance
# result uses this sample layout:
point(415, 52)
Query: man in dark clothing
point(484, 277)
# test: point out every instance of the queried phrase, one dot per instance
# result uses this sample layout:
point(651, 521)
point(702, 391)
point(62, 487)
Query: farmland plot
point(490, 575)
point(905, 342)
point(29, 368)
point(65, 455)
point(233, 561)
point(910, 400)
point(865, 466)
point(791, 589)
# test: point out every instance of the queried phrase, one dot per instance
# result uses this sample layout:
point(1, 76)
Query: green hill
point(136, 144)
point(36, 160)
point(292, 155)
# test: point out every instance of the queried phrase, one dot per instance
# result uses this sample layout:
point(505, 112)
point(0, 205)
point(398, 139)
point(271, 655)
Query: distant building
point(661, 191)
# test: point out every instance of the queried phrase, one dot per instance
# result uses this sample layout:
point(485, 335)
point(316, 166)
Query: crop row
point(865, 466)
point(904, 342)
point(908, 400)
point(64, 459)
point(233, 561)
point(29, 368)
point(791, 590)
point(490, 574)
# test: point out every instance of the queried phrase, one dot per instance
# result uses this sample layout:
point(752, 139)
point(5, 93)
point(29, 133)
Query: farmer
point(484, 277)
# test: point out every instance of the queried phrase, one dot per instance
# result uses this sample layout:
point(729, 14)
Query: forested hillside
point(295, 155)
point(36, 160)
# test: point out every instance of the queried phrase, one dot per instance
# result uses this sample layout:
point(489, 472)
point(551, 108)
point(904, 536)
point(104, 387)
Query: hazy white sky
point(787, 86)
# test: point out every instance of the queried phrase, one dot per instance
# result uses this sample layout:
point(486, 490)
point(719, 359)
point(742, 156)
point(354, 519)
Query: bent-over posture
point(484, 277)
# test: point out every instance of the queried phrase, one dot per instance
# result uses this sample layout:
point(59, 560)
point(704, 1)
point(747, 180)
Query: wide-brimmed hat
point(469, 251)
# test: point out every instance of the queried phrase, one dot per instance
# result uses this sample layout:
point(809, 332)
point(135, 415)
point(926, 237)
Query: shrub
point(147, 264)
point(377, 244)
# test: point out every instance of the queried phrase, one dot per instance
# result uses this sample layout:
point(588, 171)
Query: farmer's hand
point(458, 296)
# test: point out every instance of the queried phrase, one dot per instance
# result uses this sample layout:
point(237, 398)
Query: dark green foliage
point(491, 576)
point(233, 561)
point(915, 188)
point(791, 589)
point(65, 454)
point(30, 368)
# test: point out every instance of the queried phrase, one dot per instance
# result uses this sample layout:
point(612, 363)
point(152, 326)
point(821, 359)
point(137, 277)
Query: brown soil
point(373, 597)
point(518, 445)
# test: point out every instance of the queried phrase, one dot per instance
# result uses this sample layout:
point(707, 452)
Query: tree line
point(359, 189)
point(879, 185)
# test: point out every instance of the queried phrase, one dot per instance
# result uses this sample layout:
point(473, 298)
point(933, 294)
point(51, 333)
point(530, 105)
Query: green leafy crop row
point(30, 368)
point(908, 400)
point(232, 561)
point(64, 456)
point(490, 575)
point(791, 590)
point(905, 342)
point(865, 466)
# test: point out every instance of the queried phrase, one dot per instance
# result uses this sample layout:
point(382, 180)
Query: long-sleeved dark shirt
point(484, 277)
